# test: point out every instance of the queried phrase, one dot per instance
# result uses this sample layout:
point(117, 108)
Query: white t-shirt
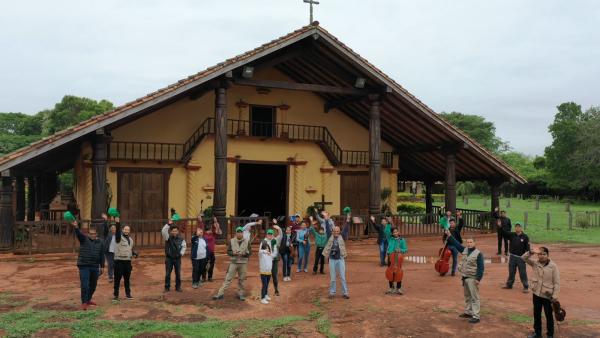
point(113, 244)
point(201, 251)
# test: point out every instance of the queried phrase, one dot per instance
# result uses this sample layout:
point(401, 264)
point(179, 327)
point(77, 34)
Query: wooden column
point(99, 196)
point(428, 198)
point(220, 196)
point(20, 195)
point(6, 211)
point(450, 182)
point(495, 192)
point(31, 191)
point(374, 156)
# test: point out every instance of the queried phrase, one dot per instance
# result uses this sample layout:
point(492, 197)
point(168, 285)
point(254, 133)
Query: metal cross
point(311, 2)
point(322, 203)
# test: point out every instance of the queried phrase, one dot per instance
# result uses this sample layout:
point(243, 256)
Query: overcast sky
point(511, 61)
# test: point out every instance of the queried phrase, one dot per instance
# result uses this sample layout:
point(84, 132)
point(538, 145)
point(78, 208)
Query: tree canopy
point(478, 128)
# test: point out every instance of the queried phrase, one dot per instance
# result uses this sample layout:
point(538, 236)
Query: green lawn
point(88, 324)
point(536, 225)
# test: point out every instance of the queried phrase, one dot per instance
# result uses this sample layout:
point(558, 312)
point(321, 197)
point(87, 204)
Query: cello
point(394, 272)
point(442, 266)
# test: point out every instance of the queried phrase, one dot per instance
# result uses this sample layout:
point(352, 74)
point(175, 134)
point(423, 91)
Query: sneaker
point(400, 291)
point(465, 315)
point(474, 320)
point(525, 290)
point(264, 301)
point(179, 290)
point(346, 297)
point(92, 303)
point(194, 285)
point(241, 297)
point(276, 292)
point(217, 297)
point(507, 287)
point(305, 270)
point(115, 298)
point(390, 291)
point(298, 270)
point(84, 306)
point(129, 297)
point(268, 298)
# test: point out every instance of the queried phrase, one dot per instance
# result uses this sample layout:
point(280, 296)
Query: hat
point(175, 217)
point(347, 210)
point(517, 223)
point(254, 215)
point(68, 216)
point(270, 232)
point(239, 229)
point(113, 212)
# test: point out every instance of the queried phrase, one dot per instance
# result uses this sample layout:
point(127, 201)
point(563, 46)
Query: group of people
point(117, 249)
point(545, 284)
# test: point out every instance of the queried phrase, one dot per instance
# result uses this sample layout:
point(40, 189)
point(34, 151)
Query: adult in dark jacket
point(381, 238)
point(455, 231)
point(174, 249)
point(90, 262)
point(518, 246)
point(505, 227)
point(109, 251)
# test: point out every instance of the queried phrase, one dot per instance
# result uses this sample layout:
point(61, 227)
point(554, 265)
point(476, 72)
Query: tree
point(482, 131)
point(586, 157)
point(20, 124)
point(70, 111)
point(559, 161)
point(10, 143)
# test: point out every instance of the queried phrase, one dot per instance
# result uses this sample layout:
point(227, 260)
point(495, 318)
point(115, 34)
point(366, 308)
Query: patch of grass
point(324, 327)
point(6, 298)
point(314, 315)
point(317, 302)
point(519, 318)
point(87, 324)
point(583, 322)
point(443, 310)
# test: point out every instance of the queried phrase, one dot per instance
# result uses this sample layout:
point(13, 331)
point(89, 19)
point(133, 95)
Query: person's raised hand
point(274, 221)
point(372, 218)
point(117, 219)
point(310, 218)
point(104, 216)
point(74, 224)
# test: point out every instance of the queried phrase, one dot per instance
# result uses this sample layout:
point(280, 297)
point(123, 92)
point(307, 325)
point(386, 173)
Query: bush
point(411, 208)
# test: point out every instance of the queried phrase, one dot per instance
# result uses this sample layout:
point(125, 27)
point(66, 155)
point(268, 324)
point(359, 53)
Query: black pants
point(171, 263)
point(122, 269)
point(398, 285)
point(501, 238)
point(538, 303)
point(264, 279)
point(274, 273)
point(515, 263)
point(210, 265)
point(319, 259)
point(198, 269)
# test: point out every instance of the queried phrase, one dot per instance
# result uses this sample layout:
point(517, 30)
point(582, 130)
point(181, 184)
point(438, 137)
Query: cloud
point(510, 61)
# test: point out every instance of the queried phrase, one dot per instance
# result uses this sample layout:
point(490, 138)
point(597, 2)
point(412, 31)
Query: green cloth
point(239, 229)
point(445, 222)
point(175, 217)
point(270, 232)
point(347, 210)
point(395, 244)
point(387, 231)
point(68, 216)
point(113, 212)
point(320, 239)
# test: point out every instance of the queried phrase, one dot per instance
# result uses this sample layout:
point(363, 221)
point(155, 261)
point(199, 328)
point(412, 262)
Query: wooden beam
point(300, 86)
point(374, 156)
point(427, 148)
point(337, 104)
point(6, 212)
point(220, 151)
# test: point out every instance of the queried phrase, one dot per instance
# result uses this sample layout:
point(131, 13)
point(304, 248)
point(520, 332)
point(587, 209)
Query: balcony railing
point(140, 151)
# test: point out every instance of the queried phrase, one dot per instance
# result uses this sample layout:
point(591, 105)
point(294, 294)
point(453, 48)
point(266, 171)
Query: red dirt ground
point(429, 307)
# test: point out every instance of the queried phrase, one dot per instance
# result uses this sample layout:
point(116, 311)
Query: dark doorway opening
point(262, 121)
point(262, 189)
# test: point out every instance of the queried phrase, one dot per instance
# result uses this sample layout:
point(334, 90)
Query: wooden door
point(354, 189)
point(142, 193)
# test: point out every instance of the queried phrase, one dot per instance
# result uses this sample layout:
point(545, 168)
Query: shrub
point(411, 208)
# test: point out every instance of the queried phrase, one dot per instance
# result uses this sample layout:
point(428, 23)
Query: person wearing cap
point(175, 247)
point(90, 261)
point(273, 241)
point(518, 245)
point(320, 242)
point(238, 248)
point(266, 256)
point(456, 231)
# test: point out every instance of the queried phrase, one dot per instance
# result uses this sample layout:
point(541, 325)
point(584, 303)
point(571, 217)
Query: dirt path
point(429, 307)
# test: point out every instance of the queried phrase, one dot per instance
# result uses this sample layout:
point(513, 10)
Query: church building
point(298, 120)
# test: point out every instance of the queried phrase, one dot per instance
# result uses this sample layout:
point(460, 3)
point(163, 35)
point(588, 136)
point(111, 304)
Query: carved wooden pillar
point(450, 196)
point(20, 195)
point(374, 156)
point(220, 196)
point(6, 211)
point(99, 196)
point(31, 198)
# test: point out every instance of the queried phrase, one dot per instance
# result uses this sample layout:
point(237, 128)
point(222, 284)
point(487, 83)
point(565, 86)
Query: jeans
point(515, 262)
point(454, 251)
point(538, 304)
point(198, 269)
point(337, 266)
point(122, 269)
point(319, 260)
point(264, 279)
point(382, 251)
point(110, 261)
point(502, 238)
point(286, 261)
point(210, 265)
point(303, 254)
point(88, 278)
point(171, 263)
